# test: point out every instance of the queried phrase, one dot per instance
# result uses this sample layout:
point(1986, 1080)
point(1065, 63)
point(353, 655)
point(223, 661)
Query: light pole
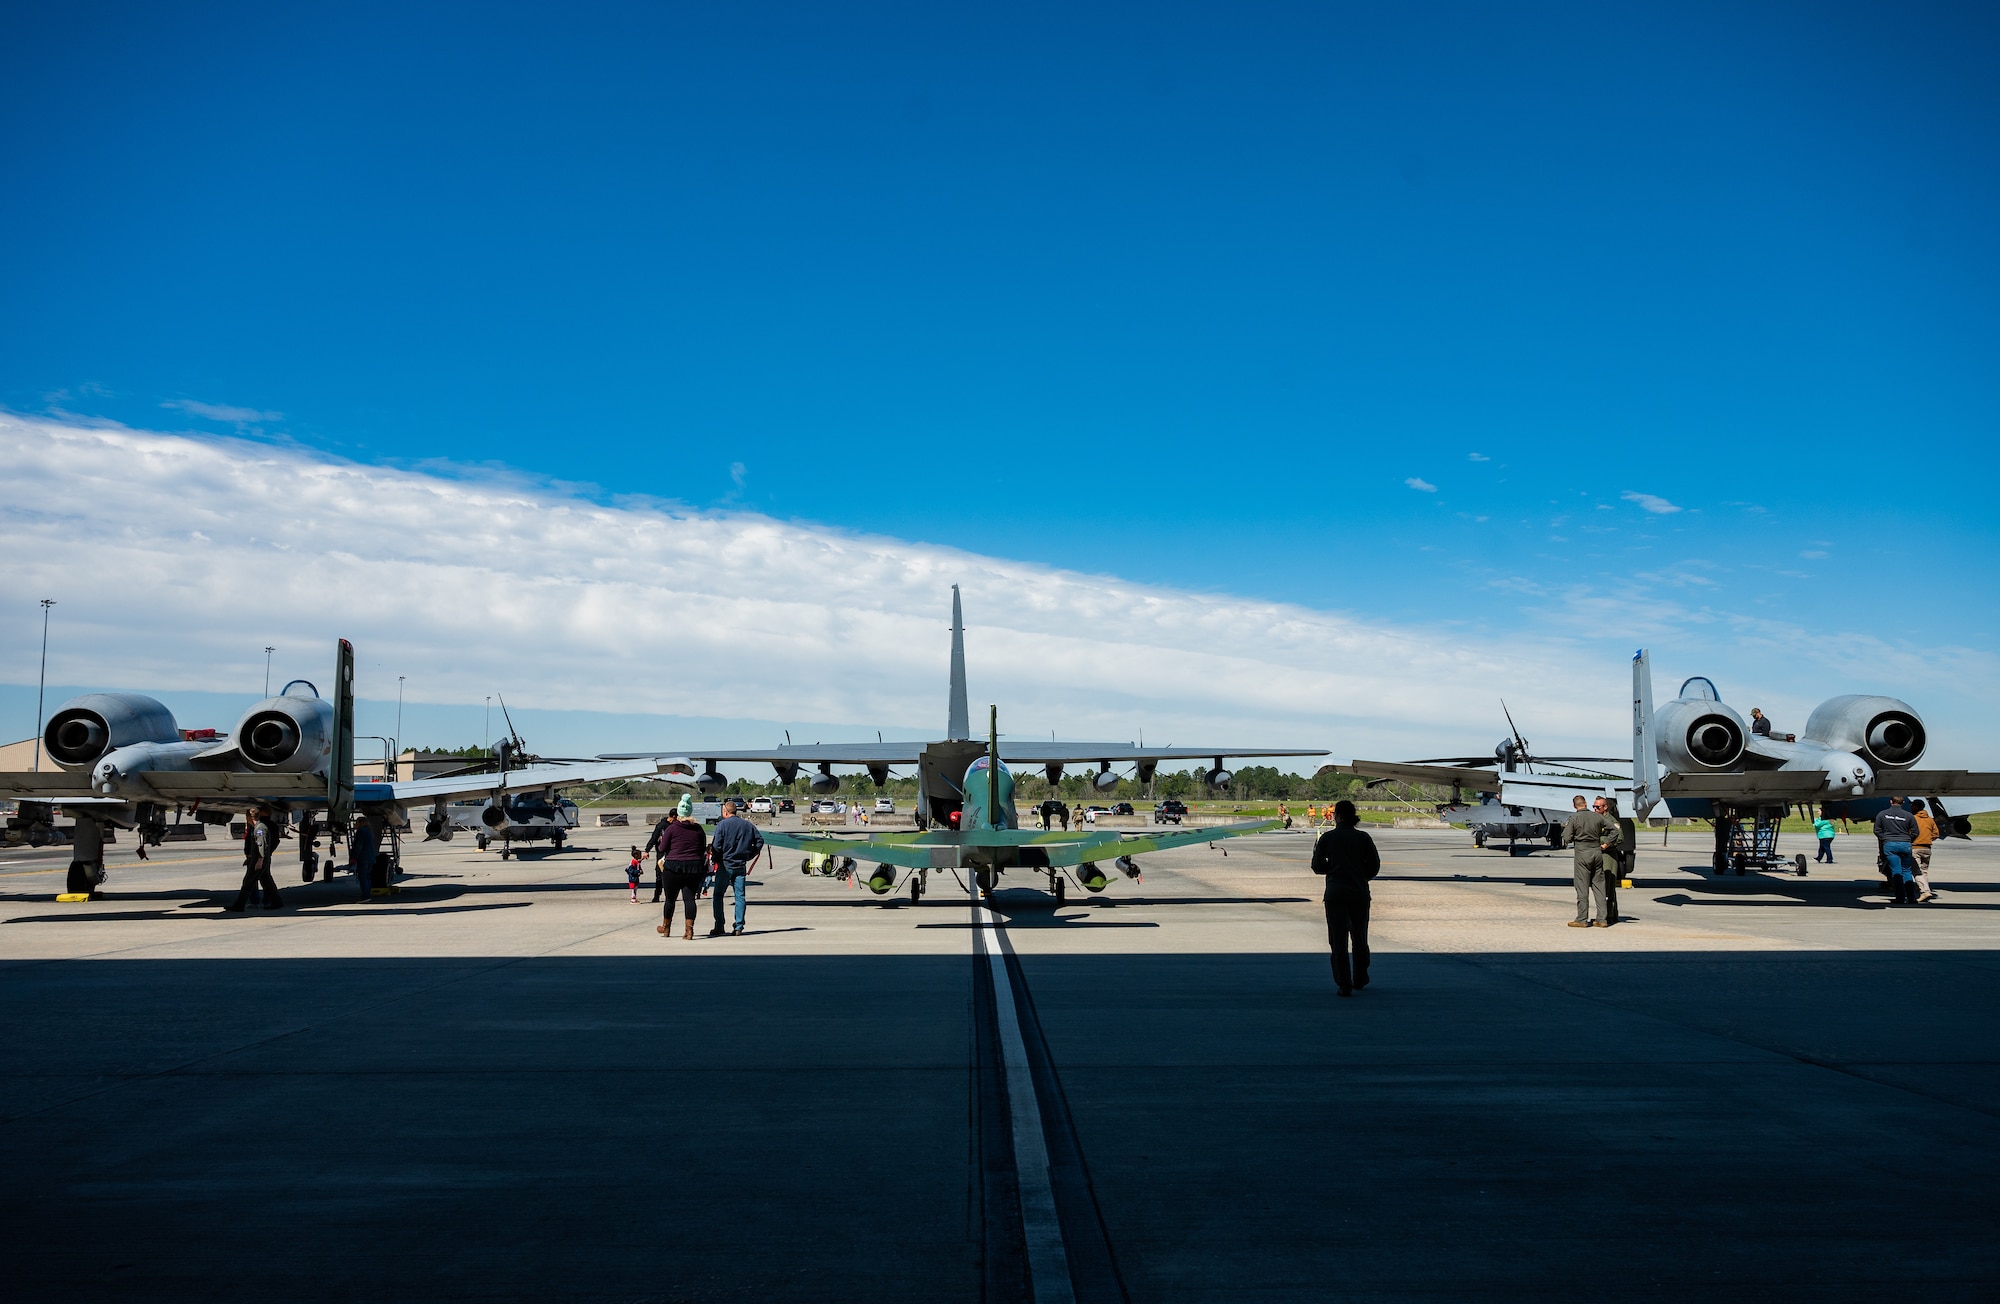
point(267, 670)
point(43, 685)
point(399, 728)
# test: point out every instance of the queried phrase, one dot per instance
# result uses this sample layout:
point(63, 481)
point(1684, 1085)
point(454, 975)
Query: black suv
point(787, 805)
point(1170, 811)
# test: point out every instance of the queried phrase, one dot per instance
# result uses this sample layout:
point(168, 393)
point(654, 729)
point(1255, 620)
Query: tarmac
point(502, 1083)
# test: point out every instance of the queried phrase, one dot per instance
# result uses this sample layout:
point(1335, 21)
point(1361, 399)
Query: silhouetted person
point(363, 845)
point(260, 843)
point(1347, 858)
point(1589, 833)
point(1897, 829)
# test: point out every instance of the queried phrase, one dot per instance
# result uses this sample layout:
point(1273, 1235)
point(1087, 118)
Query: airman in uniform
point(1589, 834)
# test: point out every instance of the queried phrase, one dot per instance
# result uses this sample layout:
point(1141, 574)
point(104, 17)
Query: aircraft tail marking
point(340, 767)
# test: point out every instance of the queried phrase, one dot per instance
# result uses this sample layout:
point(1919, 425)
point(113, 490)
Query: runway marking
point(1048, 1261)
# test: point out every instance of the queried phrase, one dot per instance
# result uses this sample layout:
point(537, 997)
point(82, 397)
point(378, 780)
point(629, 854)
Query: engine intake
point(85, 729)
point(1696, 734)
point(290, 734)
point(1882, 730)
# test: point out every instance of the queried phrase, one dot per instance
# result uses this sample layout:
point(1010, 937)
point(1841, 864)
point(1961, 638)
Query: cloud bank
point(177, 559)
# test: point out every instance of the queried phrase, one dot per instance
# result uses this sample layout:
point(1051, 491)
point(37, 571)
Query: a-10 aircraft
point(1490, 818)
point(965, 812)
point(1696, 757)
point(125, 763)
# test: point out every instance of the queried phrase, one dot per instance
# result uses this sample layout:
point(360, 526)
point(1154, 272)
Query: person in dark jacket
point(682, 842)
point(1347, 858)
point(656, 843)
point(734, 850)
point(1896, 828)
point(260, 843)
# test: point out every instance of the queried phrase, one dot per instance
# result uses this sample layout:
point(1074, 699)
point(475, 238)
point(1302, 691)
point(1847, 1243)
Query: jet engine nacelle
point(710, 782)
point(1104, 780)
point(825, 783)
point(85, 729)
point(289, 734)
point(1881, 730)
point(1695, 735)
point(494, 817)
point(1218, 778)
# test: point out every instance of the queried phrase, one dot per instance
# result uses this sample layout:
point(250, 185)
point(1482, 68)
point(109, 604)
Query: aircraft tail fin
point(340, 767)
point(959, 727)
point(1645, 753)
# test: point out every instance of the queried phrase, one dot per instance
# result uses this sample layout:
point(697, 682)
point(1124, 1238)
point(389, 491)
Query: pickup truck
point(1171, 811)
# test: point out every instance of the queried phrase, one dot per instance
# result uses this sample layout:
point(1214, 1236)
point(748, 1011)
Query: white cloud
point(1421, 486)
point(235, 416)
point(1477, 457)
point(738, 473)
point(177, 559)
point(1651, 502)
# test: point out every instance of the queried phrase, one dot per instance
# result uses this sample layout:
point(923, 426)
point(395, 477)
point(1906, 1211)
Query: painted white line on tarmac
point(1048, 1260)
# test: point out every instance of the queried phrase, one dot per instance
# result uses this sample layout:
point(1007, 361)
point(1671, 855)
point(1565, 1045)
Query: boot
point(688, 936)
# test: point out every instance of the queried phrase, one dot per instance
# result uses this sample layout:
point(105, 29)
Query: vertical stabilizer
point(993, 768)
point(340, 766)
point(1645, 754)
point(959, 728)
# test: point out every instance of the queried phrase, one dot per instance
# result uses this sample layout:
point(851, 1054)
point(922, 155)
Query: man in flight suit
point(1588, 833)
point(260, 843)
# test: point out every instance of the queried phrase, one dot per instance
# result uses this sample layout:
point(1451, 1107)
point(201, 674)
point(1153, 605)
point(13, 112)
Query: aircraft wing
point(1761, 785)
point(943, 850)
point(1478, 780)
point(1939, 783)
point(409, 791)
point(46, 785)
point(1026, 750)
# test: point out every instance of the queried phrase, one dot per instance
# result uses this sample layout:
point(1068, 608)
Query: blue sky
point(1668, 322)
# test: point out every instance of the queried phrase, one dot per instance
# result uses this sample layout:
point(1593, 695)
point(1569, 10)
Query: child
point(632, 874)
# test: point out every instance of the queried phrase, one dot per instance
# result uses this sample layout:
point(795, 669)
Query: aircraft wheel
point(480, 841)
point(1479, 837)
point(916, 890)
point(506, 853)
point(1721, 864)
point(559, 841)
point(806, 866)
point(1061, 884)
point(1800, 861)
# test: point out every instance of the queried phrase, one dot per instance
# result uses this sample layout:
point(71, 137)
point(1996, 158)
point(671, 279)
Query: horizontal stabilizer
point(1555, 792)
point(1470, 778)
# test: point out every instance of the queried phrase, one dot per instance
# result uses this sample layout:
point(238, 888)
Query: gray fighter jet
point(125, 763)
point(942, 766)
point(1696, 757)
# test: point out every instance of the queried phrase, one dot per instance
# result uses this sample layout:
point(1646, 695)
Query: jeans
point(736, 879)
point(1902, 859)
point(1347, 923)
point(1825, 851)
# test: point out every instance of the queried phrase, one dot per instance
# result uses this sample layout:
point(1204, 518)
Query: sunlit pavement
point(502, 1082)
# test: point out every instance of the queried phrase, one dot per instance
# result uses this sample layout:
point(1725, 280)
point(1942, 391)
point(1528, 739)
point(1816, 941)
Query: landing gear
point(559, 841)
point(1479, 838)
point(481, 841)
point(506, 852)
point(1800, 862)
point(985, 880)
point(916, 888)
point(1061, 887)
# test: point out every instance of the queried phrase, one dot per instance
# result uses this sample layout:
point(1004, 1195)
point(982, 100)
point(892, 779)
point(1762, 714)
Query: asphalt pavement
point(502, 1083)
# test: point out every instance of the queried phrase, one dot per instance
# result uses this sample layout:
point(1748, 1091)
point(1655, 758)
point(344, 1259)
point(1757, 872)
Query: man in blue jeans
point(734, 849)
point(1897, 828)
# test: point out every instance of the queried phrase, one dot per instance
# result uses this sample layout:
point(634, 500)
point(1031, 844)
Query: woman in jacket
point(682, 844)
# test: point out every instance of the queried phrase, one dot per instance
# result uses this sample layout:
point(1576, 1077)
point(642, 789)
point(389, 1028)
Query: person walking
point(682, 845)
point(1347, 858)
point(1588, 832)
point(1896, 829)
point(632, 872)
point(1823, 830)
point(260, 843)
point(733, 850)
point(1920, 847)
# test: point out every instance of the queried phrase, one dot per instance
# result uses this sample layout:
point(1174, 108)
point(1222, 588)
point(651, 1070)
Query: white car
point(885, 805)
point(760, 805)
point(826, 808)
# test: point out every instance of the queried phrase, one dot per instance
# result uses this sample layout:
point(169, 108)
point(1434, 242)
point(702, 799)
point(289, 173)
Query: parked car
point(760, 805)
point(1171, 811)
point(1122, 808)
point(786, 806)
point(826, 808)
point(885, 805)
